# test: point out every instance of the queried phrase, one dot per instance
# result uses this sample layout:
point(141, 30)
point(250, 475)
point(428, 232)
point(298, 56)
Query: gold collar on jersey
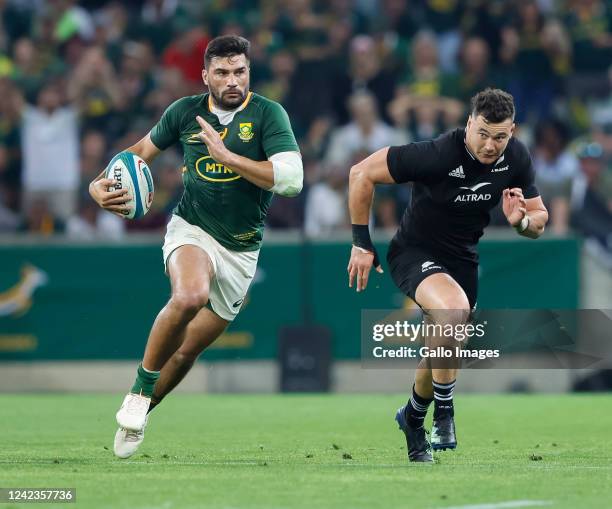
point(195, 137)
point(240, 108)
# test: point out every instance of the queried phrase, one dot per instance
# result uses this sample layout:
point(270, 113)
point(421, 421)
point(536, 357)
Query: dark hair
point(226, 46)
point(493, 104)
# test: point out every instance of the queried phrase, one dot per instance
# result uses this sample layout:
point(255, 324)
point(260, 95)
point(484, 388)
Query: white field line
point(505, 505)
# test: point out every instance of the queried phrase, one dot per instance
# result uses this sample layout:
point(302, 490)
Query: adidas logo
point(457, 172)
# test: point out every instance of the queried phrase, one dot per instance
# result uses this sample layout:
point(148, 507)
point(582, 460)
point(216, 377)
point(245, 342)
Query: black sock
point(416, 409)
point(443, 395)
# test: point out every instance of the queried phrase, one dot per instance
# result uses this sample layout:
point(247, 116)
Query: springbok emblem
point(18, 299)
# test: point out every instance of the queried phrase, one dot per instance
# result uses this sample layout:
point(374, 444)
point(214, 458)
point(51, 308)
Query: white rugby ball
point(133, 174)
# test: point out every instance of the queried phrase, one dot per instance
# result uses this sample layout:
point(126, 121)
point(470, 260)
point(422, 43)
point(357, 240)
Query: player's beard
point(229, 103)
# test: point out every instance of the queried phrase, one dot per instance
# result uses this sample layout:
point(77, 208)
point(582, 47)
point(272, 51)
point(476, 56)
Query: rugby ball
point(133, 174)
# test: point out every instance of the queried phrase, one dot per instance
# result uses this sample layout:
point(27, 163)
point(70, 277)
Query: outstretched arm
point(363, 177)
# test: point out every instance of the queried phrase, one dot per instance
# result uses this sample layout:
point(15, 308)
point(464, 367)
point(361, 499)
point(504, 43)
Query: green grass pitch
point(309, 451)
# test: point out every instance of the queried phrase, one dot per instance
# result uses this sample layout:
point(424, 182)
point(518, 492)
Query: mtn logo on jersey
point(429, 265)
point(457, 172)
point(474, 196)
point(212, 171)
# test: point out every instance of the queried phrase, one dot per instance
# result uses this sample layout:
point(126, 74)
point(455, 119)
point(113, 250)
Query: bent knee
point(453, 309)
point(191, 302)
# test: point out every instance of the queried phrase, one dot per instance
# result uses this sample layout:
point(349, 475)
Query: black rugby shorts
point(410, 265)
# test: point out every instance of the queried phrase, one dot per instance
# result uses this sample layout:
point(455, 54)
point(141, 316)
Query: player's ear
point(512, 129)
point(205, 76)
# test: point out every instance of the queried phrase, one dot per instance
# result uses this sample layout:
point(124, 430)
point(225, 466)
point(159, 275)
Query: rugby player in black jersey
point(457, 179)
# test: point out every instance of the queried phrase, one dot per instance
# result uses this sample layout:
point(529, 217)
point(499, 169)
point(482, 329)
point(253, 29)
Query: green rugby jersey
point(216, 199)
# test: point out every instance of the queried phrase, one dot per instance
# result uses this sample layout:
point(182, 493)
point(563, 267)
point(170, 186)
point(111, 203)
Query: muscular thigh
point(440, 292)
point(190, 269)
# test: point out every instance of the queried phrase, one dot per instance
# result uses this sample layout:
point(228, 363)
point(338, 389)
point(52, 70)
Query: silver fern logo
point(476, 187)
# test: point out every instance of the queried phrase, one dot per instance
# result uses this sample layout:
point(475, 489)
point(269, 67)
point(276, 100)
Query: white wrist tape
point(288, 173)
point(523, 225)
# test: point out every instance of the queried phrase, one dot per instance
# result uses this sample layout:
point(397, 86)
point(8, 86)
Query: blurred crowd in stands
point(80, 81)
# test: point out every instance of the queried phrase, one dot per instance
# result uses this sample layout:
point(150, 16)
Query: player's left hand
point(359, 267)
point(216, 148)
point(514, 205)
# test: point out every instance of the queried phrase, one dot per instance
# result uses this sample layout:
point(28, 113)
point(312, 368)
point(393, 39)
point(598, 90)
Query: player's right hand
point(113, 201)
point(359, 267)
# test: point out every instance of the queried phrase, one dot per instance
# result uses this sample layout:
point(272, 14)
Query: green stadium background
point(77, 314)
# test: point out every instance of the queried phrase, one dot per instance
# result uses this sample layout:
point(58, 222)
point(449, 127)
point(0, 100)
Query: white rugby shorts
point(234, 270)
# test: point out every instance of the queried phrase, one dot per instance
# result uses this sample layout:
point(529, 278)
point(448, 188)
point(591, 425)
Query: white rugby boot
point(133, 412)
point(128, 441)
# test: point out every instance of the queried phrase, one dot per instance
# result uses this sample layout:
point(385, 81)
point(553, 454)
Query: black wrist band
point(361, 236)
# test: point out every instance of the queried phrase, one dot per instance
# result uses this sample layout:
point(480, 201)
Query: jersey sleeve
point(413, 162)
point(525, 178)
point(277, 135)
point(167, 131)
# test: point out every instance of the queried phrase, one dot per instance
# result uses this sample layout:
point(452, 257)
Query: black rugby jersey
point(453, 192)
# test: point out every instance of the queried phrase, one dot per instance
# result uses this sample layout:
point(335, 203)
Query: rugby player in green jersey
point(239, 149)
